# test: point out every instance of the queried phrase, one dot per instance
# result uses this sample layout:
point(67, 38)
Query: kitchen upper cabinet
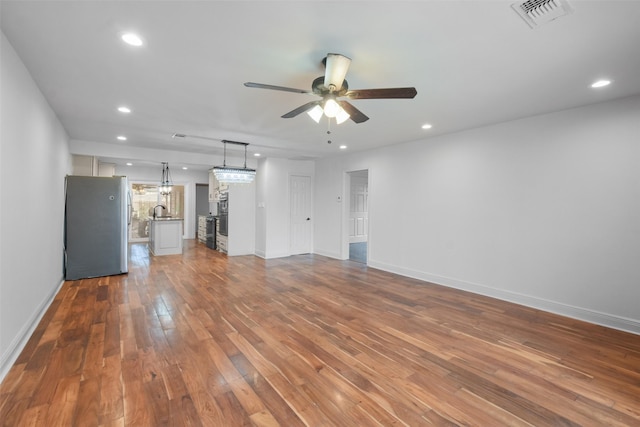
point(89, 166)
point(106, 169)
point(84, 165)
point(215, 188)
point(202, 228)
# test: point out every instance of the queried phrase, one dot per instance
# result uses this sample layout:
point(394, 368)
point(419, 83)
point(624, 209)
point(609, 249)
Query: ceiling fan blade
point(272, 87)
point(301, 109)
point(397, 92)
point(354, 114)
point(336, 67)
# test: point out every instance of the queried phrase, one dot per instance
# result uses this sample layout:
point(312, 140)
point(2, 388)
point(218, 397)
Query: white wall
point(242, 219)
point(542, 211)
point(179, 177)
point(35, 158)
point(330, 206)
point(273, 213)
point(261, 213)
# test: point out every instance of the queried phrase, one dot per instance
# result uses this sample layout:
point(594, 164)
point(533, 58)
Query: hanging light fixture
point(234, 175)
point(166, 185)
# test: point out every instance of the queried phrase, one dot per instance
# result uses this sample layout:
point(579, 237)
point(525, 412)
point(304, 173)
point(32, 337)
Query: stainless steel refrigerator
point(96, 219)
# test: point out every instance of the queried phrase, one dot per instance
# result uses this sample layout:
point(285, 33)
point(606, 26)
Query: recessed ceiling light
point(124, 109)
point(257, 154)
point(122, 138)
point(132, 39)
point(343, 147)
point(601, 83)
point(184, 168)
point(426, 126)
point(129, 164)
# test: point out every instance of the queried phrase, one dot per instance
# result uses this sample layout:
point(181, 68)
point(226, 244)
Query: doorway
point(144, 197)
point(358, 222)
point(202, 203)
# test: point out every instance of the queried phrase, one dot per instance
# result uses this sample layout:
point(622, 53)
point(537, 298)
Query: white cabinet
point(84, 165)
point(89, 166)
point(215, 187)
point(106, 169)
point(212, 185)
point(165, 236)
point(221, 241)
point(202, 228)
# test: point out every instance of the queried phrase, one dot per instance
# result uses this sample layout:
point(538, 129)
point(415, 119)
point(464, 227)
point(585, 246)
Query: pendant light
point(234, 175)
point(166, 185)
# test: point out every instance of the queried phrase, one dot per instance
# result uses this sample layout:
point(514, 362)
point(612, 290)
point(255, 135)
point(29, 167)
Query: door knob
point(308, 219)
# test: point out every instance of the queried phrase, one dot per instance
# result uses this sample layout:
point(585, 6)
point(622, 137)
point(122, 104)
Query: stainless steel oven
point(223, 214)
point(223, 219)
point(211, 232)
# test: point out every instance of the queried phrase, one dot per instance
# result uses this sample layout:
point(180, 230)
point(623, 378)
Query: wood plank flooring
point(206, 340)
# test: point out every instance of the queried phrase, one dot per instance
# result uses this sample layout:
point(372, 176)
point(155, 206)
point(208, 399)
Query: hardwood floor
point(203, 339)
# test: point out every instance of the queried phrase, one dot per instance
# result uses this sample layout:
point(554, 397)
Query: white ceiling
point(473, 63)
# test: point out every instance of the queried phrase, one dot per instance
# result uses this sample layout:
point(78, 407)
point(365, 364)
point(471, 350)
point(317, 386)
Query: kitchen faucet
point(154, 210)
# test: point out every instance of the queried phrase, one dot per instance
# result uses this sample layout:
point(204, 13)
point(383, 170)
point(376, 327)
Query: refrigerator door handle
point(129, 208)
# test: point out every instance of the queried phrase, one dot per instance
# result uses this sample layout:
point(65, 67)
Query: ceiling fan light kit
point(331, 107)
point(332, 86)
point(316, 113)
point(341, 115)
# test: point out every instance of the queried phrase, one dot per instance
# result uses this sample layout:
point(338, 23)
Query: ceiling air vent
point(539, 12)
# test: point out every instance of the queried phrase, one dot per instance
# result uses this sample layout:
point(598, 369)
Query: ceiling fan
point(332, 86)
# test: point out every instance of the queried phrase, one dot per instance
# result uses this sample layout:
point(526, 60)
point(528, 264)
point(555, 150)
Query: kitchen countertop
point(165, 218)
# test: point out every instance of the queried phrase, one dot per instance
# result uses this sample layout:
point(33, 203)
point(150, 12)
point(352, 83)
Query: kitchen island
point(165, 235)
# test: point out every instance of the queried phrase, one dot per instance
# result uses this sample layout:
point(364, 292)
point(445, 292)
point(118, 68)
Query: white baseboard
point(359, 239)
point(20, 341)
point(329, 254)
point(591, 316)
point(271, 255)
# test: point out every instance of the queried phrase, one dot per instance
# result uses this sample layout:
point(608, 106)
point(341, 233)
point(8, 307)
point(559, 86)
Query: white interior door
point(359, 208)
point(300, 206)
